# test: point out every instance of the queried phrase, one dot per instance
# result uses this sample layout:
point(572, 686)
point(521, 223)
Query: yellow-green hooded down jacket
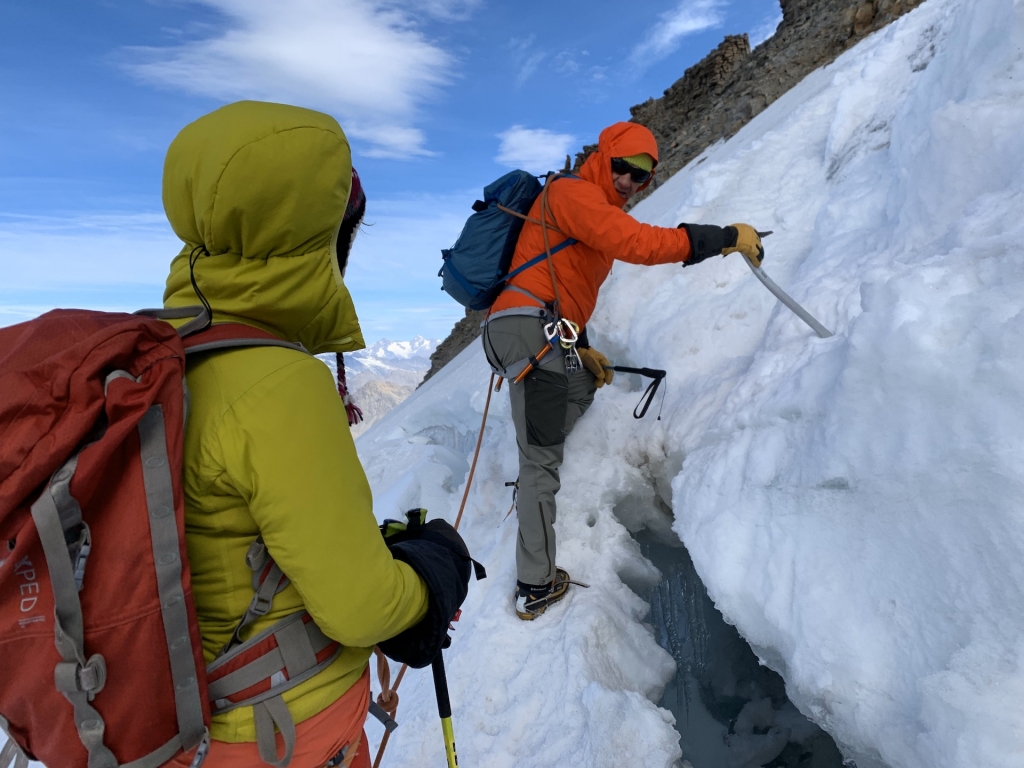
point(267, 448)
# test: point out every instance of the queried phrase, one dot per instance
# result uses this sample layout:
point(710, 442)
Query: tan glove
point(597, 364)
point(748, 242)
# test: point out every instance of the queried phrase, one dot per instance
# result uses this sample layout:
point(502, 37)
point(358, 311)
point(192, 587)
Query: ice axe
point(784, 297)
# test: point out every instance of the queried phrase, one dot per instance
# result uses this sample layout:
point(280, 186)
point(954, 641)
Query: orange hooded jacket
point(589, 210)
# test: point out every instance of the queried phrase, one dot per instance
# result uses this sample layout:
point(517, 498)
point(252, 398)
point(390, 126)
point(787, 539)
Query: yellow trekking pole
point(444, 709)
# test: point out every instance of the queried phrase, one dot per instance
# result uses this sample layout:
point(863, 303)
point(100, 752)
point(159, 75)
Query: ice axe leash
point(785, 298)
point(656, 375)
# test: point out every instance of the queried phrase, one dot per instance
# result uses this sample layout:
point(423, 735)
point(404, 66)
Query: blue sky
point(438, 98)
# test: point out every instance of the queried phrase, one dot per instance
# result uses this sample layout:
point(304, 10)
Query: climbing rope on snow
point(388, 698)
point(476, 453)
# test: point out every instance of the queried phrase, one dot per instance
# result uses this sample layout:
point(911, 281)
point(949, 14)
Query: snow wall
point(855, 505)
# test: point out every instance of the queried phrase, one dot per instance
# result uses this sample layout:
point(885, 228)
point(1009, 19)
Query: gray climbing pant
point(545, 407)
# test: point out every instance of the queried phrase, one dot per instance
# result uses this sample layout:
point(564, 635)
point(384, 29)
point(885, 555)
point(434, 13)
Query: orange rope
point(388, 697)
point(476, 453)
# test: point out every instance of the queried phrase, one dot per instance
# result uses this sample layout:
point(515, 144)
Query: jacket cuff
point(708, 240)
point(447, 579)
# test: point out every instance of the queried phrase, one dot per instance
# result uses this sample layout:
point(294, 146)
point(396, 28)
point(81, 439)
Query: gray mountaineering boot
point(532, 601)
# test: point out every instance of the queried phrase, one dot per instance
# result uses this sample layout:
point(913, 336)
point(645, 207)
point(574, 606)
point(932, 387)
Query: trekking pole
point(444, 709)
point(784, 297)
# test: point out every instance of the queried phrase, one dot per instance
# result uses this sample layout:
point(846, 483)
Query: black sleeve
point(708, 240)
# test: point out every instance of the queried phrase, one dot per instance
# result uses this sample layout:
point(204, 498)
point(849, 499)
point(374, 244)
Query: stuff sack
point(475, 268)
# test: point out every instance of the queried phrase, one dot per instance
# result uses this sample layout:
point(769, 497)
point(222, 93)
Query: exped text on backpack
point(476, 268)
point(101, 654)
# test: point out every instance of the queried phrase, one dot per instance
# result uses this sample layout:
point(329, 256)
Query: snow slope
point(855, 505)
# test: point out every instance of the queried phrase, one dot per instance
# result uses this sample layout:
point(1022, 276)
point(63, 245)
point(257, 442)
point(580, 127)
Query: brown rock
point(462, 335)
point(862, 18)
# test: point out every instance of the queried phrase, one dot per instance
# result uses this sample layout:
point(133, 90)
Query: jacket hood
point(260, 190)
point(618, 140)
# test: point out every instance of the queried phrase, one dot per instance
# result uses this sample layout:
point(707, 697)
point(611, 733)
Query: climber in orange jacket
point(548, 400)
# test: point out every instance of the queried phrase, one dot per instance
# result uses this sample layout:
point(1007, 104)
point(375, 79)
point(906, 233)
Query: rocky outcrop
point(726, 90)
point(376, 399)
point(462, 335)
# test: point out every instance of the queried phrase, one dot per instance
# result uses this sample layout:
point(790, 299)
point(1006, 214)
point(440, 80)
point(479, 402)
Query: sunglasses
point(621, 168)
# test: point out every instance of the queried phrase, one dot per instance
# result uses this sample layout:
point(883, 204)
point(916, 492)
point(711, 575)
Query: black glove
point(708, 240)
point(439, 555)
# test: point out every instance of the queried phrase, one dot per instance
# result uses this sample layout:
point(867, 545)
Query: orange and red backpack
point(101, 663)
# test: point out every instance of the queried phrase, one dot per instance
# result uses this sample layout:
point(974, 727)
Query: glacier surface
point(855, 505)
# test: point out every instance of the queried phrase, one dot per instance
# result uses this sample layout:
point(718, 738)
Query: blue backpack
point(476, 268)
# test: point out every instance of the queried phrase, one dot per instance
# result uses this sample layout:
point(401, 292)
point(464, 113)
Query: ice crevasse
point(855, 505)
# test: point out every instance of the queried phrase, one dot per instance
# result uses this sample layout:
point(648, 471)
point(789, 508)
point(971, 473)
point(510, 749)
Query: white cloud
point(85, 250)
point(455, 10)
point(565, 63)
point(766, 28)
point(525, 58)
point(689, 17)
point(534, 149)
point(119, 261)
point(364, 61)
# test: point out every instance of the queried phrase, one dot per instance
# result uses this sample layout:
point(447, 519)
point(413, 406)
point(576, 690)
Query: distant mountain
point(375, 399)
point(384, 374)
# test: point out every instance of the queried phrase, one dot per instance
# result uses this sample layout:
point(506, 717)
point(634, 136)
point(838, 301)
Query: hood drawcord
point(193, 257)
point(355, 414)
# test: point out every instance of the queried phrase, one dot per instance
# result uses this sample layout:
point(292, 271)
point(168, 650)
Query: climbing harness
point(568, 333)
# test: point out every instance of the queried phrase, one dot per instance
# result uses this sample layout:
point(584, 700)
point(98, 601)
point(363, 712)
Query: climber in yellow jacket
point(265, 199)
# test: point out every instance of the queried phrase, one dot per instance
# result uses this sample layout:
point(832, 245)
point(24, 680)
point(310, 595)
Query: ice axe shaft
point(784, 297)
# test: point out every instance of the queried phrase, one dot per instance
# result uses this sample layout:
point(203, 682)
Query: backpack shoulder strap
point(198, 335)
point(233, 336)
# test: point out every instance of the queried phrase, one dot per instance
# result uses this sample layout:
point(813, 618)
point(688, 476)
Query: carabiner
point(568, 333)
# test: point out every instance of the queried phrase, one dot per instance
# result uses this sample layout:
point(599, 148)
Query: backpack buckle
point(72, 677)
point(80, 555)
point(260, 606)
point(256, 555)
